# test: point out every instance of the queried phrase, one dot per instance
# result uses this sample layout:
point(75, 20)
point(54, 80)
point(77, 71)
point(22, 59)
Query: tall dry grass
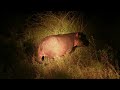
point(83, 63)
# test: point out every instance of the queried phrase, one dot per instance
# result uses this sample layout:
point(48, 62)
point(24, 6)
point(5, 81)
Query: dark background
point(103, 17)
point(103, 23)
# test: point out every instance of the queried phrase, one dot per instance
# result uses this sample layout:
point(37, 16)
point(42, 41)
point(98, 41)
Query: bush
point(83, 63)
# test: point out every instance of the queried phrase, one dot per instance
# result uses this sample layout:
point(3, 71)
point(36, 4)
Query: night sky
point(103, 18)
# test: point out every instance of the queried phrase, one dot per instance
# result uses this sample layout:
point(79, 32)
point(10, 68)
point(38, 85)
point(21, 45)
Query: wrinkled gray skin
point(58, 45)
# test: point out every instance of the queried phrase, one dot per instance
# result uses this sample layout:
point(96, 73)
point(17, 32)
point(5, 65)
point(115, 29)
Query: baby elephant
point(58, 45)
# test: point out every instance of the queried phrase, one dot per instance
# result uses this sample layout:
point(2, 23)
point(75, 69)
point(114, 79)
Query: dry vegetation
point(83, 63)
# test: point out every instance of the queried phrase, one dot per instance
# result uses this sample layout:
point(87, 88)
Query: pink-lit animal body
point(58, 45)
